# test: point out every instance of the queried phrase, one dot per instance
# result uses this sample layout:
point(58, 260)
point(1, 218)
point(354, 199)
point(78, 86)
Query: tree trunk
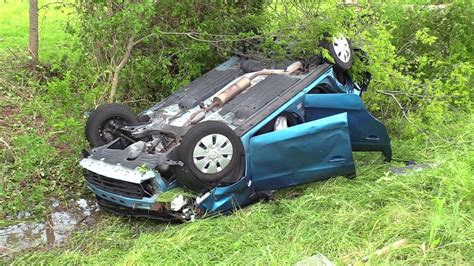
point(33, 35)
point(115, 79)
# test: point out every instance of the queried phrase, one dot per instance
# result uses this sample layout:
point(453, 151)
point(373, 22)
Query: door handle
point(372, 138)
point(337, 159)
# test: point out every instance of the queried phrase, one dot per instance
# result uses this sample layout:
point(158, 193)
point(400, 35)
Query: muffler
point(245, 82)
point(239, 86)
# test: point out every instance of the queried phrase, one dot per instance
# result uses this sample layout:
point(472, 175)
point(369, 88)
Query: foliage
point(435, 51)
point(175, 41)
point(420, 57)
point(171, 194)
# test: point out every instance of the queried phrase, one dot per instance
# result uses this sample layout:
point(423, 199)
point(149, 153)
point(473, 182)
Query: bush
point(421, 57)
point(169, 42)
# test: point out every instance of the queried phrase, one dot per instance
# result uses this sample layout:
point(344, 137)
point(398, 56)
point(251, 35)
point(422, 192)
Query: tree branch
point(132, 43)
point(193, 35)
point(54, 3)
point(396, 100)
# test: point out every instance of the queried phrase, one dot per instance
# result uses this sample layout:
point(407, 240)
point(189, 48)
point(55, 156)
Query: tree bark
point(115, 79)
point(33, 34)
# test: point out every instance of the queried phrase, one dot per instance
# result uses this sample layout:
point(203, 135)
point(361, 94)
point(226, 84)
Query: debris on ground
point(316, 260)
point(379, 252)
point(56, 230)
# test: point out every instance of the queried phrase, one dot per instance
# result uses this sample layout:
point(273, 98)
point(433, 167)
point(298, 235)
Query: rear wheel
point(102, 124)
point(211, 153)
point(341, 51)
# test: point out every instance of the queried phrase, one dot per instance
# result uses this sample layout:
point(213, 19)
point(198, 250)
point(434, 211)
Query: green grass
point(52, 23)
point(169, 195)
point(39, 120)
point(343, 219)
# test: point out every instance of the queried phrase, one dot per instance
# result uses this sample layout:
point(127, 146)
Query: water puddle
point(411, 166)
point(54, 231)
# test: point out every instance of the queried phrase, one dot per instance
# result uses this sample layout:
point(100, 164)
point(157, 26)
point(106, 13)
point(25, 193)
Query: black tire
point(194, 179)
point(104, 114)
point(338, 63)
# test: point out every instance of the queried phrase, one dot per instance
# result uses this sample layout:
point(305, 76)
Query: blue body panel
point(300, 154)
point(222, 199)
point(366, 132)
point(265, 172)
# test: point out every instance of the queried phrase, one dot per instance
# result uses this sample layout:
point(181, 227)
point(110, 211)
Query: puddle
point(410, 167)
point(54, 231)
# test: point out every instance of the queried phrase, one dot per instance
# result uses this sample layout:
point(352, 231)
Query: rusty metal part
point(236, 88)
point(198, 116)
point(294, 67)
point(243, 83)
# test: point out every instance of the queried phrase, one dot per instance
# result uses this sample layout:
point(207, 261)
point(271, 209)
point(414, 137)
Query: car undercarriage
point(231, 135)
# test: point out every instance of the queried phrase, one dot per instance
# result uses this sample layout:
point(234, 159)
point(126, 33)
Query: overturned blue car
point(243, 129)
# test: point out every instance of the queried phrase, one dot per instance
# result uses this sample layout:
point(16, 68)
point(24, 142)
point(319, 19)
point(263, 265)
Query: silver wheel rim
point(280, 123)
point(342, 49)
point(212, 153)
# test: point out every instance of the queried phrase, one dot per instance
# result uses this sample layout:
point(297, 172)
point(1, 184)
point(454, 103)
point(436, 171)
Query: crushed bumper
point(142, 203)
point(144, 207)
point(141, 213)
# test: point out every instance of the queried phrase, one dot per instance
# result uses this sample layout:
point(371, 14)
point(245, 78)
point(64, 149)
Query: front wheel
point(102, 124)
point(211, 153)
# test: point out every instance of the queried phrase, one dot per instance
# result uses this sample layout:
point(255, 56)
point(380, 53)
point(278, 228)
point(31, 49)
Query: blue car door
point(366, 132)
point(303, 153)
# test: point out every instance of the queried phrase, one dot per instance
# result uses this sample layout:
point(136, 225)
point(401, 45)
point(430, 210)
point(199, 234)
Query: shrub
point(168, 42)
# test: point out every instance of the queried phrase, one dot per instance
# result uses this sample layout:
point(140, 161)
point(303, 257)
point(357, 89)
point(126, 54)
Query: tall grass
point(346, 220)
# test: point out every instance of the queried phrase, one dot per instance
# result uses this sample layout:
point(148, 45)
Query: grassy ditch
point(430, 210)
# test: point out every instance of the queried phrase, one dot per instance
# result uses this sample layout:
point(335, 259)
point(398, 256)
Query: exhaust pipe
point(245, 82)
point(239, 86)
point(235, 89)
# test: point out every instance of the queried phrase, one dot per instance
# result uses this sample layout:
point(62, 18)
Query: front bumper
point(142, 203)
point(144, 207)
point(140, 213)
point(128, 191)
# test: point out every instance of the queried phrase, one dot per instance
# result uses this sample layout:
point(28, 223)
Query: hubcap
point(212, 153)
point(280, 123)
point(342, 49)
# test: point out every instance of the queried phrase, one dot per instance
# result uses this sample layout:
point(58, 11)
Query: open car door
point(366, 132)
point(303, 153)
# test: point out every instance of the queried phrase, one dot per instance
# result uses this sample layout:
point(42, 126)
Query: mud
point(54, 231)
